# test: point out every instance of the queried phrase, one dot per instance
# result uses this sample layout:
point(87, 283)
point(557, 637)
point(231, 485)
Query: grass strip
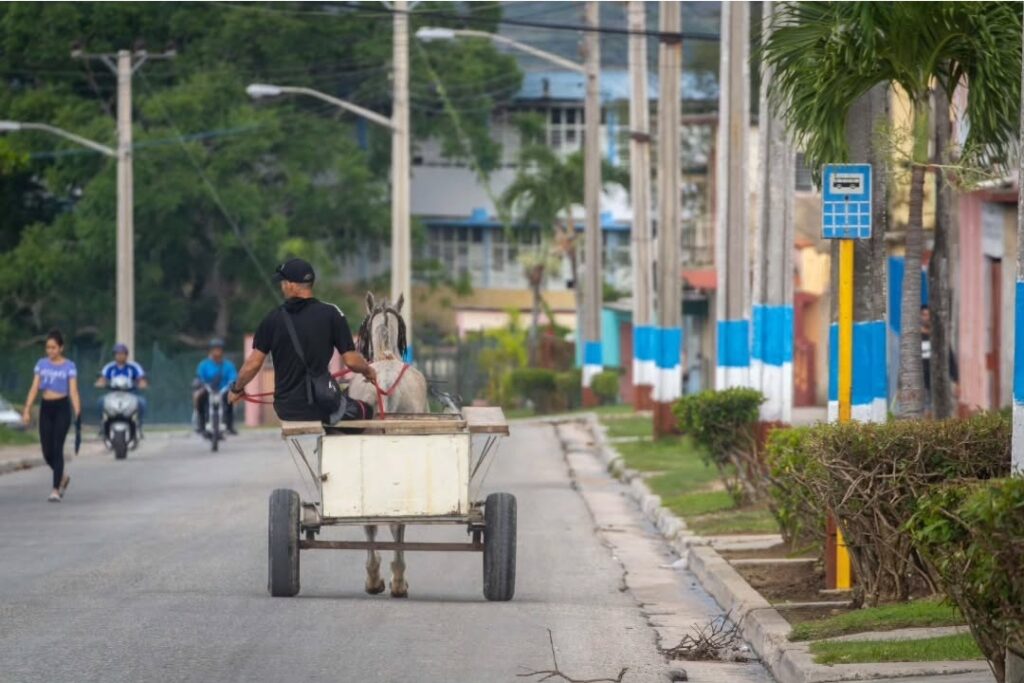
point(958, 647)
point(735, 521)
point(14, 437)
point(914, 614)
point(629, 426)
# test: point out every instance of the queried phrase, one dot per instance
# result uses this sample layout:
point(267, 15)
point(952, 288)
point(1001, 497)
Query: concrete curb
point(761, 625)
point(20, 464)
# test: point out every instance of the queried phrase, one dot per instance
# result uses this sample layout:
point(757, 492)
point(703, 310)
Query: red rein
point(381, 393)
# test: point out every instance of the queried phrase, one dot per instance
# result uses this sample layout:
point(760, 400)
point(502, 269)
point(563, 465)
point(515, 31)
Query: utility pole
point(669, 386)
point(401, 240)
point(644, 371)
point(733, 358)
point(1017, 462)
point(124, 64)
point(592, 277)
point(771, 363)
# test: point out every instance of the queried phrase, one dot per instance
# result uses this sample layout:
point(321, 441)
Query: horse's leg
point(399, 586)
point(374, 582)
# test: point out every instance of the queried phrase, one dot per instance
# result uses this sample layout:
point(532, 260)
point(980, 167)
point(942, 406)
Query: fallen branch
point(548, 674)
point(708, 642)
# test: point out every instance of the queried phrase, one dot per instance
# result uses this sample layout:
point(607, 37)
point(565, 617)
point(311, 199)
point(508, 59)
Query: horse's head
point(382, 334)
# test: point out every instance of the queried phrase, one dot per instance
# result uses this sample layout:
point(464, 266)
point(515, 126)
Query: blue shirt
point(55, 378)
point(132, 370)
point(209, 371)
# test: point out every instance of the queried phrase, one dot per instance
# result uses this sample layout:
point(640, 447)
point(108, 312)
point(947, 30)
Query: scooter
point(214, 419)
point(121, 418)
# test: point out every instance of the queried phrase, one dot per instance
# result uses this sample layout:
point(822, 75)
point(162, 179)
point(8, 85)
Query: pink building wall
point(974, 377)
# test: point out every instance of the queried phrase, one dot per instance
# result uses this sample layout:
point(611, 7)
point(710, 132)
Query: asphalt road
point(154, 569)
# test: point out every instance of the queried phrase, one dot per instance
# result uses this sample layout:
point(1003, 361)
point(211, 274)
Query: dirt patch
point(781, 550)
point(791, 582)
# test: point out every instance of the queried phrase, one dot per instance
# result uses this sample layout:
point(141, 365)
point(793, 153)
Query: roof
point(614, 84)
point(519, 299)
point(701, 278)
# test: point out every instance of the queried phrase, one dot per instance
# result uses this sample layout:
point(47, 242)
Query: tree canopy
point(224, 187)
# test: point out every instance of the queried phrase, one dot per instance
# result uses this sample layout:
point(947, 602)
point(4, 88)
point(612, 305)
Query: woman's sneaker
point(54, 497)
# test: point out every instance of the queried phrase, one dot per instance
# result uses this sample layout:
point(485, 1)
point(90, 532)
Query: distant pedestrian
point(56, 378)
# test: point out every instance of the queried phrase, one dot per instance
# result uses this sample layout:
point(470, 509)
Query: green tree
point(224, 187)
point(827, 55)
point(546, 187)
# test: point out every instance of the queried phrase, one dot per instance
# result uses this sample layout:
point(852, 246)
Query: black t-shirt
point(321, 329)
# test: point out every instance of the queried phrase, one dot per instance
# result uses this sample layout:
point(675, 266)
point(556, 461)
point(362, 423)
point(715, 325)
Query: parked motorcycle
point(121, 418)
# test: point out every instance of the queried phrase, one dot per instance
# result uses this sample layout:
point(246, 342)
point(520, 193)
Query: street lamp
point(15, 126)
point(592, 285)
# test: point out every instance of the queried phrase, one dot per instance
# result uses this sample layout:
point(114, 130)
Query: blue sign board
point(846, 202)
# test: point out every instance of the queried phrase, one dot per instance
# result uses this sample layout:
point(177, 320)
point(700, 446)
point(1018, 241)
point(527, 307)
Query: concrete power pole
point(592, 277)
point(771, 362)
point(401, 239)
point(669, 386)
point(733, 358)
point(124, 64)
point(125, 204)
point(644, 371)
point(1018, 340)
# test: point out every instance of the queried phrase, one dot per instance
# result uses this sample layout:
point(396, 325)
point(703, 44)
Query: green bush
point(568, 388)
point(972, 536)
point(536, 385)
point(800, 515)
point(872, 475)
point(605, 385)
point(723, 423)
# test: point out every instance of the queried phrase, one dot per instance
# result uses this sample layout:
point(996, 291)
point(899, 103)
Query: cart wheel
point(500, 546)
point(283, 543)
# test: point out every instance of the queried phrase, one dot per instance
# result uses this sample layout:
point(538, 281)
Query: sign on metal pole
point(845, 216)
point(846, 202)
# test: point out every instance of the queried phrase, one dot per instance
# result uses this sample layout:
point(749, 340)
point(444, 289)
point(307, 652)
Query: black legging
point(54, 422)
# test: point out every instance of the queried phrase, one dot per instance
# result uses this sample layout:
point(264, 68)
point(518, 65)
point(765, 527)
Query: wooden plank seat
point(475, 420)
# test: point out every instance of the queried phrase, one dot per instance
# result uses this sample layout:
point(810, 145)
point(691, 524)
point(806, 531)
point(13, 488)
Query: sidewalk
point(760, 622)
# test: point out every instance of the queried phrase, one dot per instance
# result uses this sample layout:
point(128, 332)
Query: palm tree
point(827, 55)
point(543, 193)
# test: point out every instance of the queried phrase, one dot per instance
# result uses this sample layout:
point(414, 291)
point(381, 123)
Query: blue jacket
point(208, 371)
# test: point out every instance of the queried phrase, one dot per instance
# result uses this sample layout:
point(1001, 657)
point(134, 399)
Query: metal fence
point(169, 396)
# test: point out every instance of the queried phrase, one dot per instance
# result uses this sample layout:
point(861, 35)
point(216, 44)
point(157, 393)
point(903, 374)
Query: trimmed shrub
point(568, 389)
point(972, 536)
point(788, 457)
point(536, 385)
point(724, 424)
point(605, 385)
point(872, 475)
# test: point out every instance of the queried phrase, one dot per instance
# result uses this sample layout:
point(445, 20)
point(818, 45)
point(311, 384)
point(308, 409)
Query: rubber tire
point(283, 544)
point(215, 432)
point(500, 547)
point(120, 442)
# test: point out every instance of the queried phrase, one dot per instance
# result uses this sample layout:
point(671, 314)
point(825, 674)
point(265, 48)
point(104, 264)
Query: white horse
point(401, 389)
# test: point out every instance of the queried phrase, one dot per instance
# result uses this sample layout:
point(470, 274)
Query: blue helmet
point(216, 343)
point(120, 348)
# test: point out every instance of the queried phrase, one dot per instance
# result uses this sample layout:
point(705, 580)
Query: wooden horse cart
point(403, 469)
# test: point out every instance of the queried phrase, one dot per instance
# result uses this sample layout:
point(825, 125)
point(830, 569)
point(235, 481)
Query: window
point(804, 183)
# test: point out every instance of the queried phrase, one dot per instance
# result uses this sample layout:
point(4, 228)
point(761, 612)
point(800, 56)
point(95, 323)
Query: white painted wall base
point(732, 376)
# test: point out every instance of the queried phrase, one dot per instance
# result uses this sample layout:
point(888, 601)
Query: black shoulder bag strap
point(298, 350)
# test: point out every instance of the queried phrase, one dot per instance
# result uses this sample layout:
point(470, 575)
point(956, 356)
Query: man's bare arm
point(249, 369)
point(355, 362)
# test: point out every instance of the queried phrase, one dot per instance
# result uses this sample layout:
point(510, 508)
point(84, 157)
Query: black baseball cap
point(295, 270)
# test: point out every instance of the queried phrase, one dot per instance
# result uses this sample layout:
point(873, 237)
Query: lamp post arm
point(354, 108)
point(60, 132)
point(523, 47)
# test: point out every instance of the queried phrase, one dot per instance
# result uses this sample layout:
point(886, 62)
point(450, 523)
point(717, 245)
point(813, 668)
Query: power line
point(382, 11)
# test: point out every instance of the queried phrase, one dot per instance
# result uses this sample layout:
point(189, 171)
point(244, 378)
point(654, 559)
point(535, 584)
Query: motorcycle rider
point(122, 367)
point(218, 372)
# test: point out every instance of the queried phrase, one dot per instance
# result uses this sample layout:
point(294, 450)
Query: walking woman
point(57, 378)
